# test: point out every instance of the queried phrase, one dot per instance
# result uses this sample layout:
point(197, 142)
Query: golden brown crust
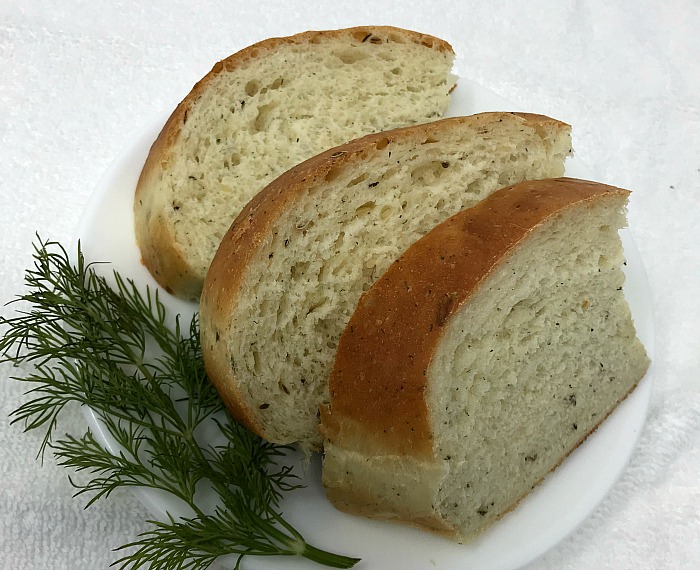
point(377, 389)
point(160, 254)
point(246, 234)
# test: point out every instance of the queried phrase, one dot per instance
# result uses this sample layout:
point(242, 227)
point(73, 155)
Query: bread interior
point(282, 107)
point(531, 364)
point(341, 237)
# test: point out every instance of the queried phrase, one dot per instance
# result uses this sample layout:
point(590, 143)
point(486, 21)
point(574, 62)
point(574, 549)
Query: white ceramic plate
point(543, 519)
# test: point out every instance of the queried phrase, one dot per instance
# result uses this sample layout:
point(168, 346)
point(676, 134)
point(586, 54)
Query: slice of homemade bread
point(291, 269)
point(260, 112)
point(484, 355)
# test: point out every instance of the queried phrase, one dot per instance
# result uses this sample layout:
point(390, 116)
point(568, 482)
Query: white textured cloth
point(80, 79)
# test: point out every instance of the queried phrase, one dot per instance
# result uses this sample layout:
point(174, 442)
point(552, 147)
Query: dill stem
point(310, 552)
point(328, 558)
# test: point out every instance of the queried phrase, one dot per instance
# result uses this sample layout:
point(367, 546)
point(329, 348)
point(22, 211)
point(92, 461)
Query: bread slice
point(290, 271)
point(485, 354)
point(260, 112)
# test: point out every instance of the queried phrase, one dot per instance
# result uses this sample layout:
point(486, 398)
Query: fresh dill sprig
point(112, 349)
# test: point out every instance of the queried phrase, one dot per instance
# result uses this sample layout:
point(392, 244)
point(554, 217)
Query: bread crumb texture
point(288, 276)
point(477, 401)
point(262, 111)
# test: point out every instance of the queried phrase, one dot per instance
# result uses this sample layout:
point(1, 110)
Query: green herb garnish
point(111, 348)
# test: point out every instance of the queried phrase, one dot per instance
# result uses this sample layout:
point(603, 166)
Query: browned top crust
point(379, 378)
point(165, 262)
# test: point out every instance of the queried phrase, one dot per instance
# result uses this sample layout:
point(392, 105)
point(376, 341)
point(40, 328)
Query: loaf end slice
point(489, 351)
point(263, 110)
point(291, 269)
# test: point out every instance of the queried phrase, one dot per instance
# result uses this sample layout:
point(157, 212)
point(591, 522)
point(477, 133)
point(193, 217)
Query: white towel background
point(80, 79)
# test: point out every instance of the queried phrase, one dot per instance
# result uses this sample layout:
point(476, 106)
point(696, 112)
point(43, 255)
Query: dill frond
point(110, 348)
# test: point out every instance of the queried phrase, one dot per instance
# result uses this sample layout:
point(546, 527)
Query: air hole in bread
point(257, 367)
point(252, 87)
point(382, 143)
point(390, 172)
point(339, 242)
point(332, 173)
point(315, 306)
point(277, 83)
point(386, 212)
point(299, 269)
point(304, 225)
point(362, 35)
point(364, 209)
point(355, 181)
point(506, 178)
point(428, 172)
point(351, 56)
point(264, 117)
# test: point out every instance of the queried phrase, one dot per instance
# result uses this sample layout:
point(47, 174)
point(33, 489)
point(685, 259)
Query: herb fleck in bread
point(262, 111)
point(490, 350)
point(291, 269)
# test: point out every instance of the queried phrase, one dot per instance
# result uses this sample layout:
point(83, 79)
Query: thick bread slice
point(491, 349)
point(291, 269)
point(260, 112)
